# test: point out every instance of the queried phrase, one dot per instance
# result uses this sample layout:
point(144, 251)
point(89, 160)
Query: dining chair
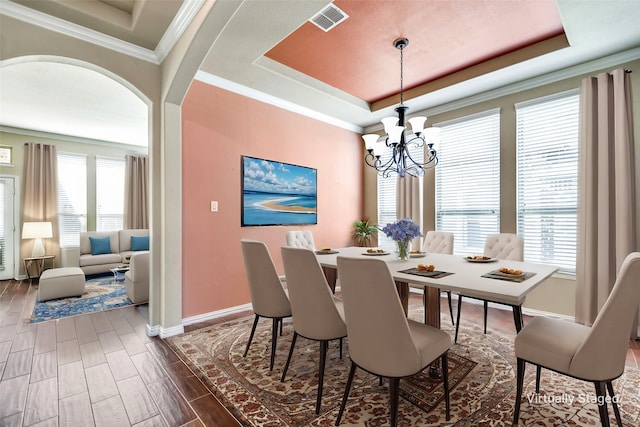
point(301, 239)
point(304, 239)
point(438, 242)
point(268, 297)
point(318, 315)
point(382, 341)
point(596, 354)
point(507, 246)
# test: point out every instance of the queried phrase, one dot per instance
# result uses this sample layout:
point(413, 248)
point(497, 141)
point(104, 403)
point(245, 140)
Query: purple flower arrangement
point(402, 230)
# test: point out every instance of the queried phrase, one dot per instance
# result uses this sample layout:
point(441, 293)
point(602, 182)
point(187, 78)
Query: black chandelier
point(399, 139)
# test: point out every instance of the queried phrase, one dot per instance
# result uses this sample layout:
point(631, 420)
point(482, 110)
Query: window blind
point(2, 221)
point(72, 198)
point(109, 193)
point(547, 179)
point(468, 180)
point(387, 196)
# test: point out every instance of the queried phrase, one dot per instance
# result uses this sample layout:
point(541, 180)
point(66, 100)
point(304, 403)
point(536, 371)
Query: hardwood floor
point(102, 369)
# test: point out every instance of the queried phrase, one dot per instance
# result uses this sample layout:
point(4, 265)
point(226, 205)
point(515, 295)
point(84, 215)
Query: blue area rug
point(100, 293)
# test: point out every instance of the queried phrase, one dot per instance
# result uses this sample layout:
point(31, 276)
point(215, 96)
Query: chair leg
point(394, 392)
point(274, 342)
point(601, 394)
point(519, 384)
point(347, 389)
point(450, 307)
point(445, 383)
point(253, 330)
point(323, 361)
point(286, 365)
point(538, 373)
point(614, 403)
point(486, 307)
point(458, 317)
point(340, 348)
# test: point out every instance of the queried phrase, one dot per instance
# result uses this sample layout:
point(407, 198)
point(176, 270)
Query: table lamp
point(38, 231)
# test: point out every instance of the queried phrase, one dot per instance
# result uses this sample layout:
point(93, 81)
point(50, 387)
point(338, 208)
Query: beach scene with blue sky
point(275, 193)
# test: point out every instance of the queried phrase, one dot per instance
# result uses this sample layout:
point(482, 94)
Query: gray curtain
point(409, 204)
point(136, 193)
point(606, 194)
point(40, 194)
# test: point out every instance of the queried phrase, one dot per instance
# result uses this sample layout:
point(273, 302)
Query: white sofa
point(120, 245)
point(136, 280)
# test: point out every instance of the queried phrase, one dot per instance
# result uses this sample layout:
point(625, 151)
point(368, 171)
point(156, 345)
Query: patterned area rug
point(483, 396)
point(100, 293)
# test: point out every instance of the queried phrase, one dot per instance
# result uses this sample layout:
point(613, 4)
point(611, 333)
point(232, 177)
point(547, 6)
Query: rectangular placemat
point(424, 273)
point(495, 274)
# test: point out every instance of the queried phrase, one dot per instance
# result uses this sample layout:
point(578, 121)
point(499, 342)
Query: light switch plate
point(214, 206)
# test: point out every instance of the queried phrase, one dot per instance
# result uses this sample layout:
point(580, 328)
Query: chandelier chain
point(401, 75)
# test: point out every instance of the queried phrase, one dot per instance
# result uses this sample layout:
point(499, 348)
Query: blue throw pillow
point(100, 245)
point(139, 243)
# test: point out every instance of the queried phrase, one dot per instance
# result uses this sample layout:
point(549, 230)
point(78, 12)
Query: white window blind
point(2, 221)
point(387, 195)
point(72, 198)
point(547, 188)
point(109, 193)
point(468, 180)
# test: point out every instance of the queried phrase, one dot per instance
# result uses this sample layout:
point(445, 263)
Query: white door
point(7, 227)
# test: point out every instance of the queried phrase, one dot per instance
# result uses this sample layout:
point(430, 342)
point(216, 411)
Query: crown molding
point(213, 80)
point(181, 21)
point(178, 26)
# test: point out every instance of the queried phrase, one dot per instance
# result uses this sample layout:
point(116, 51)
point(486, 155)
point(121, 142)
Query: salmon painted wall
point(218, 127)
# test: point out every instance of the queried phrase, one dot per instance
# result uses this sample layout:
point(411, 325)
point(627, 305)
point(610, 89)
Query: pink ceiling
point(445, 37)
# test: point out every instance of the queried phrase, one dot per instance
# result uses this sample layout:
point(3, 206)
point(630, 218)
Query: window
point(109, 194)
point(387, 195)
point(547, 179)
point(468, 180)
point(72, 197)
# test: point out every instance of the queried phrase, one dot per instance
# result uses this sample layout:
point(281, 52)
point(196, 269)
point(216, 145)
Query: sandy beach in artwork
point(276, 206)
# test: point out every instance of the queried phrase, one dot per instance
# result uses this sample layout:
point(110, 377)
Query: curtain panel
point(136, 194)
point(40, 194)
point(606, 193)
point(409, 204)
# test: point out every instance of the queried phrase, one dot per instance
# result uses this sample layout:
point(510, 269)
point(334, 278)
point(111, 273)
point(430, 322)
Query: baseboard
point(215, 314)
point(157, 330)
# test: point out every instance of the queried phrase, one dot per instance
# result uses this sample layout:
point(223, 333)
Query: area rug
point(100, 293)
point(483, 396)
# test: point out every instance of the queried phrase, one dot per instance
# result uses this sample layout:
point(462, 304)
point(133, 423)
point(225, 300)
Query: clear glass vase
point(404, 247)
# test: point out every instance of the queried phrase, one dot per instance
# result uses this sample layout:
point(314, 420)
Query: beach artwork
point(276, 193)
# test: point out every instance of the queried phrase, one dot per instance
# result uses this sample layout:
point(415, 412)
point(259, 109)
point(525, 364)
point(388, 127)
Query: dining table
point(472, 276)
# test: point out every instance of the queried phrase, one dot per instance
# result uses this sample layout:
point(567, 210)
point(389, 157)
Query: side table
point(39, 262)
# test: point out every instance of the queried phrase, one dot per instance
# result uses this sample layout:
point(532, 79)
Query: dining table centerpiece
point(402, 232)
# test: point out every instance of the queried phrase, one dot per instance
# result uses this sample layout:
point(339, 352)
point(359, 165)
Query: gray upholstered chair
point(301, 239)
point(382, 341)
point(596, 354)
point(317, 314)
point(506, 246)
point(438, 242)
point(268, 298)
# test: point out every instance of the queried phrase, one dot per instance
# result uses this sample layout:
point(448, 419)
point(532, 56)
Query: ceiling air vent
point(328, 17)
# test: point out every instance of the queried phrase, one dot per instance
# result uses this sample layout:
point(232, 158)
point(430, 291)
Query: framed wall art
point(277, 193)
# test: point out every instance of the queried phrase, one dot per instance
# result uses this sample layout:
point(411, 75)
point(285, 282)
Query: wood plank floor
point(102, 369)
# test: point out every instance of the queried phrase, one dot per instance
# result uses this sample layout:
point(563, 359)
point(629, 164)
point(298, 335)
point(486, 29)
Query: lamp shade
point(37, 230)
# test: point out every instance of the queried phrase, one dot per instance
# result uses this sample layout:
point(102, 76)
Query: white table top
point(466, 278)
